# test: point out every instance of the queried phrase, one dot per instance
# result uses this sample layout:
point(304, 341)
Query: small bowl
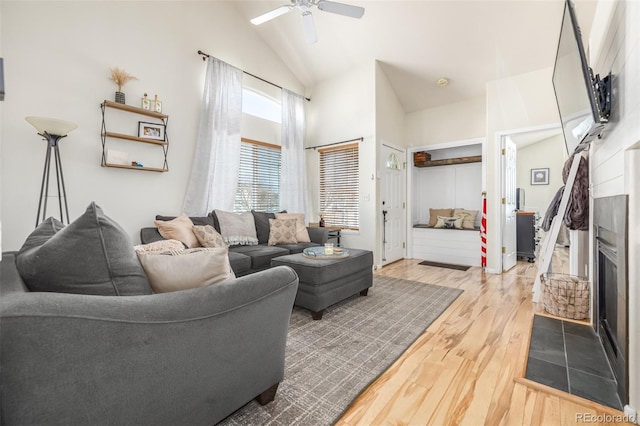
point(337, 250)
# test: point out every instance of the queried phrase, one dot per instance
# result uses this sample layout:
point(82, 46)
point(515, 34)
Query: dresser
point(527, 235)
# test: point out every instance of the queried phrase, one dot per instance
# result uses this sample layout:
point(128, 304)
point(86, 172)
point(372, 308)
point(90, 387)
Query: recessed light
point(442, 82)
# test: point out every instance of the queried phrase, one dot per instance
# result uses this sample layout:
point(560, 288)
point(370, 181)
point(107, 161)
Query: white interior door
point(392, 189)
point(509, 238)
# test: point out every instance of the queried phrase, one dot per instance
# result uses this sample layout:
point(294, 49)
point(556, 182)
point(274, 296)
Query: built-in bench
point(457, 246)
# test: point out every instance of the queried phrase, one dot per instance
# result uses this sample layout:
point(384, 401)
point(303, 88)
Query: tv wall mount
point(602, 91)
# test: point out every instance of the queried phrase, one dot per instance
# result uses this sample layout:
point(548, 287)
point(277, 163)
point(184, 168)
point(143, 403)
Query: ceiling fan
point(307, 18)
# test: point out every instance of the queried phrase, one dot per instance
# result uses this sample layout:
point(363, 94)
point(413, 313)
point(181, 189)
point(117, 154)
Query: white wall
point(519, 102)
point(390, 130)
point(57, 60)
point(341, 109)
point(452, 122)
point(614, 160)
point(548, 153)
point(443, 187)
point(390, 116)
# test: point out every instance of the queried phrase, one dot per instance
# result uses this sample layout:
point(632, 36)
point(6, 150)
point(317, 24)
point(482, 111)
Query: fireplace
point(611, 283)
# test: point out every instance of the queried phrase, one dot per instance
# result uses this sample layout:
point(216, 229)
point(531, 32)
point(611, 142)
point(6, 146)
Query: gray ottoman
point(324, 282)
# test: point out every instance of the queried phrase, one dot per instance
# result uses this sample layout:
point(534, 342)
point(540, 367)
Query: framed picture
point(151, 131)
point(540, 176)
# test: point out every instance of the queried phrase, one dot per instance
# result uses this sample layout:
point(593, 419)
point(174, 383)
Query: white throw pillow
point(454, 222)
point(180, 228)
point(302, 235)
point(282, 231)
point(191, 268)
point(208, 236)
point(468, 217)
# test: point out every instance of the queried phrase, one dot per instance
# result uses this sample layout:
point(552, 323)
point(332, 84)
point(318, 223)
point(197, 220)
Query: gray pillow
point(263, 229)
point(92, 255)
point(42, 233)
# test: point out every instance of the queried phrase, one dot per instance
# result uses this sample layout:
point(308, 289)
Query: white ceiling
point(469, 42)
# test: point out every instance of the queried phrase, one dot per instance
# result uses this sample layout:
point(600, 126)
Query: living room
point(57, 57)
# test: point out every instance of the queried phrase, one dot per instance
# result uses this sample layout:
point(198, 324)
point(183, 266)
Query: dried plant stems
point(121, 77)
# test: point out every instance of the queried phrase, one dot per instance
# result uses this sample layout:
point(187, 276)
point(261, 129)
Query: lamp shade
point(51, 126)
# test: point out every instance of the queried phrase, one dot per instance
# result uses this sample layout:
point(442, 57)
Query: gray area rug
point(331, 361)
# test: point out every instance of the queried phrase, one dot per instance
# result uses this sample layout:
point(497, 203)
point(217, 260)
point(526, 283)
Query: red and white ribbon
point(483, 232)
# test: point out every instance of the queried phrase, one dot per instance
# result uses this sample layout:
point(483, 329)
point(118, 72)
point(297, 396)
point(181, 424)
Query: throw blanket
point(577, 215)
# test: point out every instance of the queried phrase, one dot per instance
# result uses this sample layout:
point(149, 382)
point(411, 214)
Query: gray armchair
point(189, 357)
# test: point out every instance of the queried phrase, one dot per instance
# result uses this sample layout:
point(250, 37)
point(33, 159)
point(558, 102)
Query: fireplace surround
point(611, 285)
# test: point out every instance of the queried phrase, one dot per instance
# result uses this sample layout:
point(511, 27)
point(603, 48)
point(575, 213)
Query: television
point(583, 101)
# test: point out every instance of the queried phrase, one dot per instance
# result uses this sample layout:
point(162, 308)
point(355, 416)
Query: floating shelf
point(124, 166)
point(136, 110)
point(133, 138)
point(450, 161)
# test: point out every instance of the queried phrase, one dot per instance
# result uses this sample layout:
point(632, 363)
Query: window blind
point(340, 186)
point(259, 177)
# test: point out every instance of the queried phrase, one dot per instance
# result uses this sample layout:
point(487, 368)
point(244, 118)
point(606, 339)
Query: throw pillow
point(283, 231)
point(302, 234)
point(261, 220)
point(160, 246)
point(434, 213)
point(180, 228)
point(43, 232)
point(92, 255)
point(190, 268)
point(468, 217)
point(197, 220)
point(449, 222)
point(237, 229)
point(208, 236)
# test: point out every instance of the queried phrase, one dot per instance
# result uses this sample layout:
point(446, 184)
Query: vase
point(120, 97)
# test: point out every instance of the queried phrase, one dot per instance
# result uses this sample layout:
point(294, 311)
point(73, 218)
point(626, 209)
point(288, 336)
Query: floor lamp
point(52, 131)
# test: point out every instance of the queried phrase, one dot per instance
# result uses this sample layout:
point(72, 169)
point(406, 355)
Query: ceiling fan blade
point(341, 8)
point(309, 27)
point(271, 14)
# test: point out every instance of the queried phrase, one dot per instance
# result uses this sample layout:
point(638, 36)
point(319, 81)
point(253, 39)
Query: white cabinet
point(457, 246)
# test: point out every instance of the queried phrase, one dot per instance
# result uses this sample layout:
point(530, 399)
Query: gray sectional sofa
point(84, 342)
point(247, 259)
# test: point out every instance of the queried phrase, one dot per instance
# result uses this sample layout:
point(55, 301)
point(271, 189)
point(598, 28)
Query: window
point(340, 186)
point(259, 177)
point(392, 162)
point(260, 105)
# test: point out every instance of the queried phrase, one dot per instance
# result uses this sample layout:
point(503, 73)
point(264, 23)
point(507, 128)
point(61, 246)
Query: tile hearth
point(569, 357)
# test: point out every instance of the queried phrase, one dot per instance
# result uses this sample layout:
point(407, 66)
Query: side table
point(334, 234)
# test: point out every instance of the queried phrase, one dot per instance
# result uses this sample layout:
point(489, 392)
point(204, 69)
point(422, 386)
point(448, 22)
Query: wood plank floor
point(467, 368)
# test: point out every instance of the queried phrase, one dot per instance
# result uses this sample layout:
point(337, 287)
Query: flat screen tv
point(575, 87)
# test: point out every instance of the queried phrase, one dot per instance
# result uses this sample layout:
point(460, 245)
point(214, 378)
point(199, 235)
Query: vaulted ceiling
point(468, 42)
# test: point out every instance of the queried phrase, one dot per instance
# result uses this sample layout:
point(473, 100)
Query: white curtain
point(293, 175)
point(214, 174)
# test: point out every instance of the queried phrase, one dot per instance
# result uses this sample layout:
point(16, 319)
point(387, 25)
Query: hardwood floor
point(468, 367)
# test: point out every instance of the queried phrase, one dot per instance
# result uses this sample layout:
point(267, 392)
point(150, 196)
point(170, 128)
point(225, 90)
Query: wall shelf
point(450, 161)
point(105, 135)
point(122, 166)
point(136, 110)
